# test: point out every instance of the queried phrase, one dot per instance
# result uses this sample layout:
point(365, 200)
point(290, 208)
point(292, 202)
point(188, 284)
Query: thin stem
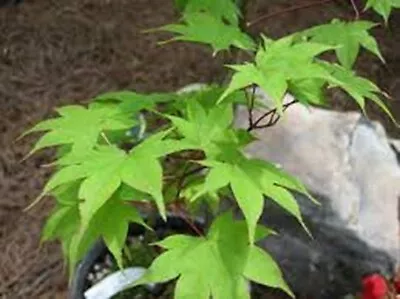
point(284, 11)
point(272, 121)
point(181, 181)
point(194, 171)
point(105, 138)
point(128, 253)
point(356, 11)
point(180, 186)
point(185, 175)
point(250, 104)
point(188, 220)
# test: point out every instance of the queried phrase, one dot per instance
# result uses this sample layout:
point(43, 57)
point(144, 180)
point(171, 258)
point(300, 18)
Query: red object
point(397, 286)
point(374, 287)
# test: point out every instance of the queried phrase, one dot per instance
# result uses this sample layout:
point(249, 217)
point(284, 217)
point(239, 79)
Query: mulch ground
point(56, 52)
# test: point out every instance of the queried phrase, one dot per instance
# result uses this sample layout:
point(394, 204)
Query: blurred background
point(57, 52)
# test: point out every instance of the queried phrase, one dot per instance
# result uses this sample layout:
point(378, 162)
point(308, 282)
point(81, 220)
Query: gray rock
point(377, 176)
point(343, 157)
point(352, 167)
point(395, 144)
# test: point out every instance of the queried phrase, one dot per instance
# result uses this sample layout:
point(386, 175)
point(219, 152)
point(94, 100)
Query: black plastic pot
point(80, 284)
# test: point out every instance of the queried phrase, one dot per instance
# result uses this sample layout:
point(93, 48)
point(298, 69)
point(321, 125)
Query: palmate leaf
point(225, 262)
point(208, 96)
point(201, 128)
point(110, 223)
point(358, 87)
point(206, 28)
point(132, 102)
point(222, 9)
point(277, 65)
point(105, 168)
point(347, 37)
point(100, 172)
point(205, 130)
point(308, 91)
point(204, 123)
point(251, 180)
point(212, 199)
point(64, 220)
point(80, 127)
point(383, 7)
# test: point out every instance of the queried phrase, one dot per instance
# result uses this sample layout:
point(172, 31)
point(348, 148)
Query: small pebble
point(91, 277)
point(96, 267)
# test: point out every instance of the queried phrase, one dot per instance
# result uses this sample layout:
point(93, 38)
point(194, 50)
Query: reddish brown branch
point(250, 104)
point(273, 118)
point(185, 175)
point(284, 11)
point(356, 11)
point(181, 213)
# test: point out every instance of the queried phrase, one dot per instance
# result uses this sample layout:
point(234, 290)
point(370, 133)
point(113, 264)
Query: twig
point(272, 121)
point(356, 11)
point(127, 252)
point(105, 138)
point(185, 175)
point(181, 181)
point(284, 11)
point(188, 220)
point(194, 171)
point(250, 104)
point(180, 186)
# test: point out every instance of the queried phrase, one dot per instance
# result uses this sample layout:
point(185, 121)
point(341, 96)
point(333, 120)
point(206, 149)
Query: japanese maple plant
point(192, 154)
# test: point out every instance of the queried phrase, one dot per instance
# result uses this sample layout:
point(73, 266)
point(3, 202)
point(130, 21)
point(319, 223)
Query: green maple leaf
point(181, 4)
point(127, 193)
point(204, 124)
point(383, 7)
point(208, 97)
point(308, 91)
point(251, 180)
point(347, 37)
point(80, 127)
point(63, 222)
point(101, 175)
point(205, 28)
point(203, 128)
point(357, 87)
point(191, 189)
point(225, 262)
point(222, 9)
point(105, 168)
point(110, 223)
point(132, 102)
point(277, 64)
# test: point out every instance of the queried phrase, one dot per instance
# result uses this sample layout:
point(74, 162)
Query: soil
point(66, 51)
